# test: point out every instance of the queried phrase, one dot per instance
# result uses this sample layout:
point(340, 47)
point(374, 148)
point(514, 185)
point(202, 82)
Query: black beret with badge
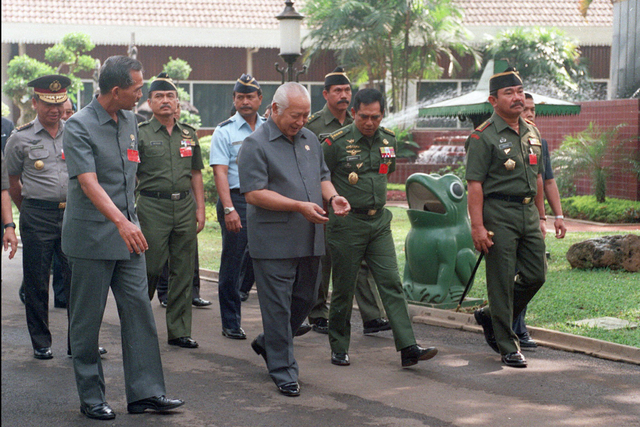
point(162, 82)
point(51, 89)
point(336, 77)
point(508, 78)
point(246, 84)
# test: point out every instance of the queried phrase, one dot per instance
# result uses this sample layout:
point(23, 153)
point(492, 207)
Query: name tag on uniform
point(353, 158)
point(152, 143)
point(236, 143)
point(133, 155)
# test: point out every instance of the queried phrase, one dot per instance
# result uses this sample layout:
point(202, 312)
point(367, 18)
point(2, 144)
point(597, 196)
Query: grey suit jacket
point(268, 160)
point(94, 142)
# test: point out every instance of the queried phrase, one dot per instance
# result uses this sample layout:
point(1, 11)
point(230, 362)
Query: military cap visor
point(246, 84)
point(336, 77)
point(162, 82)
point(506, 79)
point(51, 89)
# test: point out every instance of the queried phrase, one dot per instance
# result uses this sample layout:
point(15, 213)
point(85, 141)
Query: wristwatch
point(227, 211)
point(10, 224)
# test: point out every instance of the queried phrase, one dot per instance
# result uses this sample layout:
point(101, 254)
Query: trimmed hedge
point(612, 211)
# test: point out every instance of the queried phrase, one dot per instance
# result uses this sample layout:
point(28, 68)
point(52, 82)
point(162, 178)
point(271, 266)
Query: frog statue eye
point(456, 190)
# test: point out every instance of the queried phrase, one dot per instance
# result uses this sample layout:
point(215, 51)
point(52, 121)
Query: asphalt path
point(226, 384)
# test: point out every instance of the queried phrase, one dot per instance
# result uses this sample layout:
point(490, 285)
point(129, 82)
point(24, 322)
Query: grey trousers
point(287, 290)
point(90, 283)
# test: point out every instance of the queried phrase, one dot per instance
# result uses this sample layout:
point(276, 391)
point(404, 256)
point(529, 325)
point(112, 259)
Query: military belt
point(506, 198)
point(45, 204)
point(168, 196)
point(369, 212)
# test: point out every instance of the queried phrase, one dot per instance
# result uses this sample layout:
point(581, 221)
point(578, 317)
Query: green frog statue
point(439, 250)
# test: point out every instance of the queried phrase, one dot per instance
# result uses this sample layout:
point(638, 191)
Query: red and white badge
point(533, 158)
point(133, 155)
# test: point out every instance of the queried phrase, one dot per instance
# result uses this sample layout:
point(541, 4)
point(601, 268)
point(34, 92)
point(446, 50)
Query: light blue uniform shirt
point(226, 142)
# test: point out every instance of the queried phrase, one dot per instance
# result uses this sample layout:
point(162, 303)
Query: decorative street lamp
point(290, 21)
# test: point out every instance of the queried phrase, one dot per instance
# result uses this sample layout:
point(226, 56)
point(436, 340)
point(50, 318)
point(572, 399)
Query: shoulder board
point(226, 122)
point(530, 122)
point(24, 126)
point(144, 123)
point(387, 130)
point(187, 125)
point(336, 134)
point(484, 125)
point(313, 117)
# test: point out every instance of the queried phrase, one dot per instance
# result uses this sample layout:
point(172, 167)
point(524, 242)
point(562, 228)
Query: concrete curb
point(545, 337)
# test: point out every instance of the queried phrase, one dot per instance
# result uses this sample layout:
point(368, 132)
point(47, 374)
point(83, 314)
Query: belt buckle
point(372, 212)
point(175, 196)
point(62, 205)
point(526, 200)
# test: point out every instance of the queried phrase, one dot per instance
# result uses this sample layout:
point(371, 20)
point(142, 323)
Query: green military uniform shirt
point(360, 165)
point(505, 162)
point(166, 161)
point(323, 122)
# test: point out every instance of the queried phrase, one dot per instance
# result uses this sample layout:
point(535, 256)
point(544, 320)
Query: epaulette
point(313, 117)
point(336, 134)
point(388, 131)
point(530, 122)
point(484, 125)
point(187, 125)
point(144, 123)
point(226, 122)
point(24, 126)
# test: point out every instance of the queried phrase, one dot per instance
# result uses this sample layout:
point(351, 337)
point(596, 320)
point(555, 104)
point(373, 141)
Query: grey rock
point(616, 252)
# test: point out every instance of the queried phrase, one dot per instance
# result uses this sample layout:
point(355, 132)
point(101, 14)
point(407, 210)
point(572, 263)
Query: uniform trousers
point(352, 239)
point(170, 229)
point(246, 278)
point(517, 245)
point(162, 286)
point(286, 291)
point(233, 250)
point(40, 232)
point(90, 283)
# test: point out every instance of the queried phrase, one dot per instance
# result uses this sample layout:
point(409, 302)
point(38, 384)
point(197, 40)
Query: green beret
point(162, 82)
point(508, 78)
point(336, 77)
point(246, 84)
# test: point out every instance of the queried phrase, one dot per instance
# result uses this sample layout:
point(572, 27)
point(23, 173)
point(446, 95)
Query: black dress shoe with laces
point(340, 359)
point(163, 304)
point(526, 342)
point(184, 342)
point(290, 389)
point(43, 353)
point(99, 411)
point(244, 296)
point(485, 321)
point(320, 325)
point(260, 350)
point(199, 302)
point(303, 329)
point(414, 353)
point(515, 360)
point(234, 334)
point(376, 325)
point(155, 403)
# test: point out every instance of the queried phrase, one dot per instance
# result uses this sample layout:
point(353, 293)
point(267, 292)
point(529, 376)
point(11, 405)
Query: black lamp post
point(290, 21)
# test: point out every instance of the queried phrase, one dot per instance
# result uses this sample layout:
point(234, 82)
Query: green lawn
point(568, 295)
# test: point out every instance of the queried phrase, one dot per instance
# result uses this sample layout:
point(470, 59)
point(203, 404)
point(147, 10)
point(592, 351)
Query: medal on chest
point(353, 178)
point(39, 165)
point(510, 164)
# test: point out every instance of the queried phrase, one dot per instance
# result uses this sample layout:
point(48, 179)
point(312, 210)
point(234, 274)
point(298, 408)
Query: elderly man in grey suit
point(284, 178)
point(102, 238)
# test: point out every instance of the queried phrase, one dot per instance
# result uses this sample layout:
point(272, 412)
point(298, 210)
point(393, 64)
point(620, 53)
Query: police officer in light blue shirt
point(231, 208)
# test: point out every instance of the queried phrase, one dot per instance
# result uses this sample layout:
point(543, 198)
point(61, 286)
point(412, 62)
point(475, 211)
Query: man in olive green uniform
point(504, 174)
point(335, 115)
point(170, 204)
point(360, 156)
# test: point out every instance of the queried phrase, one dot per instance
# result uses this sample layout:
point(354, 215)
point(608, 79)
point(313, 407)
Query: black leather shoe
point(163, 304)
point(102, 350)
point(320, 325)
point(99, 411)
point(290, 389)
point(515, 360)
point(412, 354)
point(485, 321)
point(526, 342)
point(340, 359)
point(199, 302)
point(155, 403)
point(43, 353)
point(184, 342)
point(260, 350)
point(376, 325)
point(303, 329)
point(234, 334)
point(244, 296)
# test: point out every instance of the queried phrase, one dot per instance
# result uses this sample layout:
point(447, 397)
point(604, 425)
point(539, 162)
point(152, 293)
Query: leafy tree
point(594, 151)
point(394, 40)
point(20, 71)
point(5, 110)
point(548, 61)
point(70, 55)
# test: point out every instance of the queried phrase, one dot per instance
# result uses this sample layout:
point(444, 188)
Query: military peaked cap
point(51, 89)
